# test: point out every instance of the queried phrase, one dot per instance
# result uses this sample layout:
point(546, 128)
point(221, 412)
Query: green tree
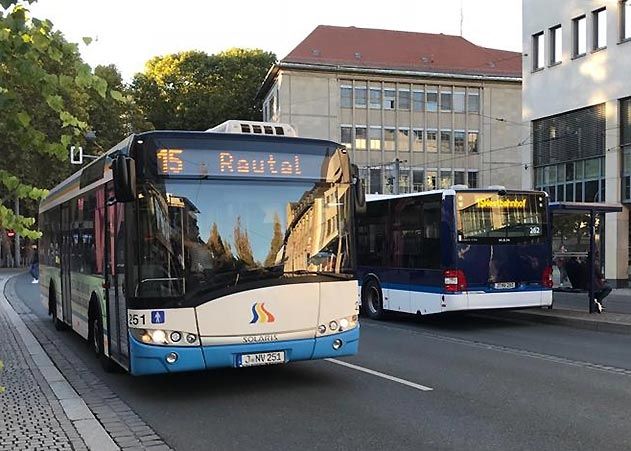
point(110, 118)
point(44, 89)
point(276, 244)
point(194, 91)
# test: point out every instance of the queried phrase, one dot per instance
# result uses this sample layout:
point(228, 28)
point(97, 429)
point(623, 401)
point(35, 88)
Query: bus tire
point(372, 300)
point(52, 308)
point(95, 336)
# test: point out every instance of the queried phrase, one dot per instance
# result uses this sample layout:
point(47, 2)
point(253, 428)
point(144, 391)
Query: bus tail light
point(546, 277)
point(454, 280)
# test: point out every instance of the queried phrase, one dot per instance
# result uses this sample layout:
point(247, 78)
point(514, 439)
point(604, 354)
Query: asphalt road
point(496, 384)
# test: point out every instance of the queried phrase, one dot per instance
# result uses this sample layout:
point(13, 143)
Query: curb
point(82, 418)
point(535, 316)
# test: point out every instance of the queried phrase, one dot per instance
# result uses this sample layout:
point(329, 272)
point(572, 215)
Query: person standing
point(601, 287)
point(34, 269)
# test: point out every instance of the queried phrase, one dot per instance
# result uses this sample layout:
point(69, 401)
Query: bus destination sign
point(238, 163)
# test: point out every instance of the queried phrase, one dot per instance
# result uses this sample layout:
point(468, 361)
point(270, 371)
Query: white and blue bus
point(454, 249)
point(183, 251)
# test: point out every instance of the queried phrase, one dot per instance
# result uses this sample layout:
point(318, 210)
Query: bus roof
point(444, 192)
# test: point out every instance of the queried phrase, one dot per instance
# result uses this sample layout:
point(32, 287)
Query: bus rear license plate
point(504, 285)
point(261, 358)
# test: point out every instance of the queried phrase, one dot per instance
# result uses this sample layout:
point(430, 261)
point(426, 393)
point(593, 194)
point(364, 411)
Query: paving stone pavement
point(31, 417)
point(127, 429)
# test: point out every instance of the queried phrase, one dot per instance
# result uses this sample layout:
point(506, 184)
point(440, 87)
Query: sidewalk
point(39, 409)
point(572, 309)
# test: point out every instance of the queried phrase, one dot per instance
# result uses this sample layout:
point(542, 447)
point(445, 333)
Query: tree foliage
point(276, 243)
point(194, 91)
point(44, 90)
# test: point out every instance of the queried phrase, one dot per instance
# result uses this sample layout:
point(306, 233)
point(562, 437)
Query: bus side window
point(371, 237)
point(431, 235)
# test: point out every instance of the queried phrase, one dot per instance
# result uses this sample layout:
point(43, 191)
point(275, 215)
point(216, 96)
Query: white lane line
point(382, 375)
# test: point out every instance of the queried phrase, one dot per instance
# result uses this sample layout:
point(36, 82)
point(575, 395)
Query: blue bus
point(454, 249)
point(182, 251)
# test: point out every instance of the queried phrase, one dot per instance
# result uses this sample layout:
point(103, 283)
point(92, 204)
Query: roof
point(423, 52)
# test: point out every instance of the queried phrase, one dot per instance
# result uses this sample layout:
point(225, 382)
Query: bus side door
point(115, 276)
point(66, 248)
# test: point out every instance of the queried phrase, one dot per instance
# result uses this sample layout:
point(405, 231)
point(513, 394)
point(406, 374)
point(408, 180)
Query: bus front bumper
point(151, 359)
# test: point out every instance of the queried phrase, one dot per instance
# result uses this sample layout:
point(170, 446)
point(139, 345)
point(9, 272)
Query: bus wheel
point(96, 338)
point(372, 300)
point(52, 309)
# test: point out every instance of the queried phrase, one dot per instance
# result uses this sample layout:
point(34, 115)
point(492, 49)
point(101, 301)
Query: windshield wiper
point(333, 275)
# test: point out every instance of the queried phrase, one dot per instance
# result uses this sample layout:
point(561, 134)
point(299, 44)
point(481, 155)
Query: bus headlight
point(164, 337)
point(158, 336)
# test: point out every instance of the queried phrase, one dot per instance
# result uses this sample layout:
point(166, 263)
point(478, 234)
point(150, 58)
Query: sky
point(129, 32)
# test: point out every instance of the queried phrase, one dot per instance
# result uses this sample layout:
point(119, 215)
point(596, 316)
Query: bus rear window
point(490, 217)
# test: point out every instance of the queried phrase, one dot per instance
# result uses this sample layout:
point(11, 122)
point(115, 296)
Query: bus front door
point(66, 237)
point(116, 304)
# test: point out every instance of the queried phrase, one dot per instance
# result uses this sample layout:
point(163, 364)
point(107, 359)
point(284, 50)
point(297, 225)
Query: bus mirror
point(359, 190)
point(124, 173)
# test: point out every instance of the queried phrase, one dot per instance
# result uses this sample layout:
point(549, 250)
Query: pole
point(397, 170)
point(590, 261)
point(17, 235)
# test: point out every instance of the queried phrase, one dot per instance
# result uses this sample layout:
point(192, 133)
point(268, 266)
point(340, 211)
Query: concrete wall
point(575, 83)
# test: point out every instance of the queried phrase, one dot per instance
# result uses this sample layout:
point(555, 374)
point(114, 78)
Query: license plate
point(504, 285)
point(261, 358)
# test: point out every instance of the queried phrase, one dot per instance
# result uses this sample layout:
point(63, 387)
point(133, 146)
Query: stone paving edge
point(95, 437)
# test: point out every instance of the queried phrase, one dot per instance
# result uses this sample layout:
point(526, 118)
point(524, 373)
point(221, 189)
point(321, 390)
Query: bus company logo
point(260, 314)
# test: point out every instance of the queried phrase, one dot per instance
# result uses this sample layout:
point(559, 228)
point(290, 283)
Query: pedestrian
point(34, 269)
point(559, 260)
point(601, 287)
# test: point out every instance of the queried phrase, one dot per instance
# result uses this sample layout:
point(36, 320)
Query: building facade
point(577, 98)
point(417, 111)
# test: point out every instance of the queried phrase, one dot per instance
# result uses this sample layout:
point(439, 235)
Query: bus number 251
point(136, 319)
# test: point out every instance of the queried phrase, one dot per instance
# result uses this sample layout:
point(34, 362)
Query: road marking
point(382, 375)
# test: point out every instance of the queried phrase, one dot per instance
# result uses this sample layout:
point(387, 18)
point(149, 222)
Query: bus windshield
point(490, 217)
point(202, 236)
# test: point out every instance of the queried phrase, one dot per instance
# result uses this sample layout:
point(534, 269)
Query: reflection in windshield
point(212, 235)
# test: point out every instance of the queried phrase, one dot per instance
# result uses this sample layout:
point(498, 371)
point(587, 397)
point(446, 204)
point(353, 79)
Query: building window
point(346, 135)
point(575, 135)
point(459, 100)
point(556, 45)
point(432, 140)
point(418, 100)
point(445, 101)
point(389, 99)
point(459, 138)
point(417, 140)
point(579, 181)
point(579, 36)
point(404, 99)
point(473, 100)
point(472, 179)
point(600, 28)
point(388, 138)
point(459, 178)
point(625, 145)
point(445, 179)
point(346, 96)
point(538, 52)
point(403, 140)
point(360, 138)
point(418, 180)
point(376, 180)
point(445, 141)
point(375, 138)
point(432, 101)
point(360, 96)
point(625, 20)
point(431, 180)
point(472, 141)
point(375, 98)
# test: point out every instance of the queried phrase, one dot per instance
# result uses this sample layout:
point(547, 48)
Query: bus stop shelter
point(578, 244)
